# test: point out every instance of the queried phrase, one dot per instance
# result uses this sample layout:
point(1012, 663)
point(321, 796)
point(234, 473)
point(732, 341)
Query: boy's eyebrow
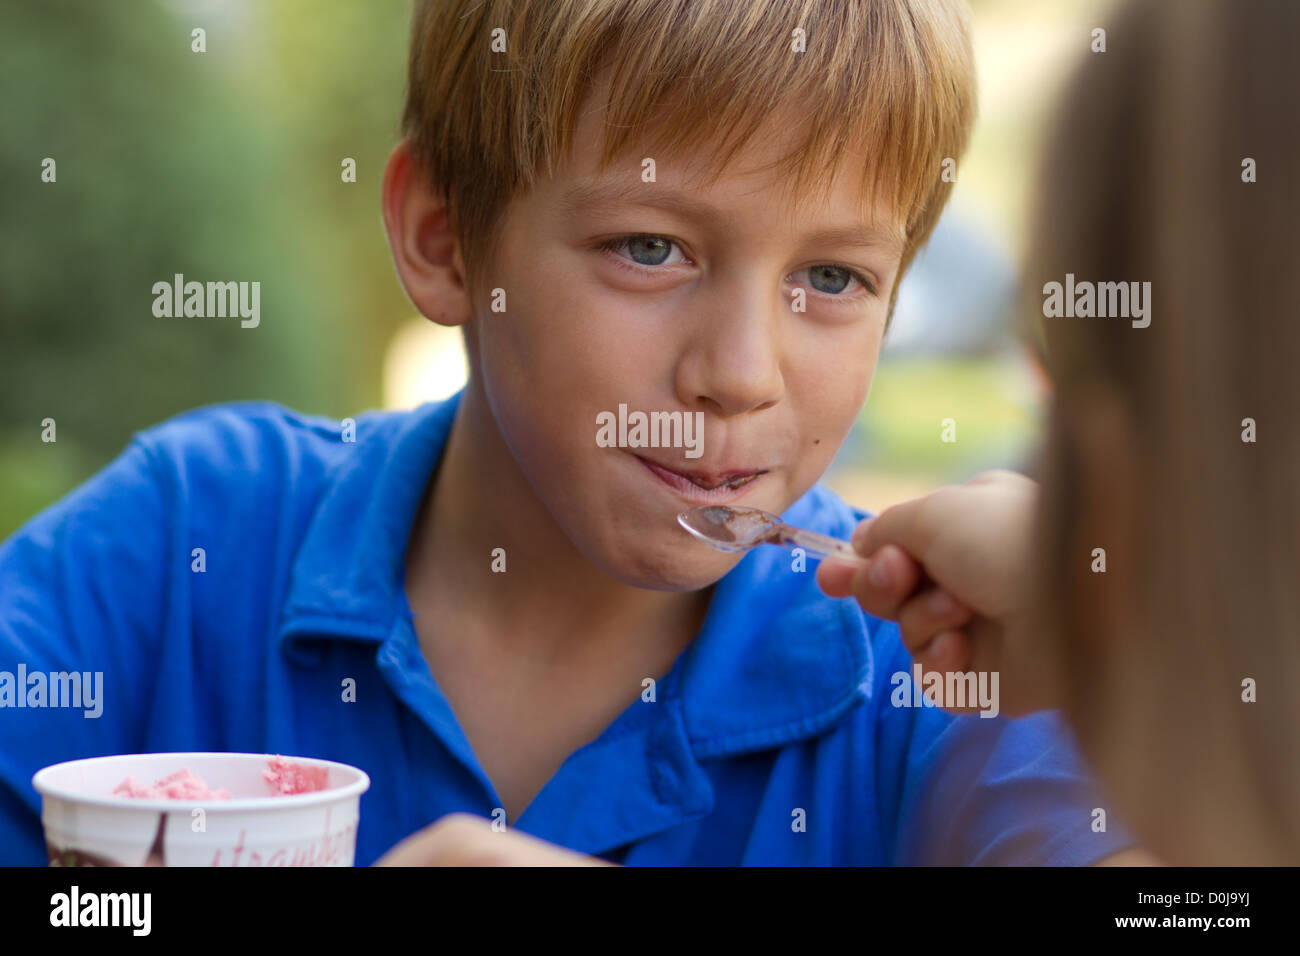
point(871, 237)
point(588, 193)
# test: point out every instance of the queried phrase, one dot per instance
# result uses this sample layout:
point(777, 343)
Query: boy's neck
point(550, 600)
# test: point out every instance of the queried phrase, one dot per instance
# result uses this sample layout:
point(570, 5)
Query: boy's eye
point(657, 250)
point(643, 250)
point(829, 278)
point(832, 280)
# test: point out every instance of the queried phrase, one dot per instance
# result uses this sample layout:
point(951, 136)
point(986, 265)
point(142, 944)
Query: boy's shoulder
point(231, 431)
point(257, 457)
point(285, 492)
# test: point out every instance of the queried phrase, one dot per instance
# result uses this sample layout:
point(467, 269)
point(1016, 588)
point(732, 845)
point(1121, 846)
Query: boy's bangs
point(862, 86)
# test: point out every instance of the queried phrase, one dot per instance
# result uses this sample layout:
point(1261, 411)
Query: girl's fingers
point(885, 584)
point(836, 577)
point(928, 614)
point(948, 653)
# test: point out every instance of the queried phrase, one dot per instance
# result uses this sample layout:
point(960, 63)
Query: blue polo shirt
point(772, 739)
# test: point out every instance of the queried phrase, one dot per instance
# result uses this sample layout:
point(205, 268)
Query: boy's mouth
point(728, 480)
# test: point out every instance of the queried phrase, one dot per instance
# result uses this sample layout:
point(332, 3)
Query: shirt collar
point(348, 570)
point(775, 660)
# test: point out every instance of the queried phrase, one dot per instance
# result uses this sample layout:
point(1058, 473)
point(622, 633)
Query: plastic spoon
point(740, 529)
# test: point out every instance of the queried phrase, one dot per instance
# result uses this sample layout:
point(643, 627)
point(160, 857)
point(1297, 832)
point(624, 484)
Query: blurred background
point(227, 166)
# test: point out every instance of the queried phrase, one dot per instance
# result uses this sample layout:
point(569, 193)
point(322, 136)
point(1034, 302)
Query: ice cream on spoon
point(737, 529)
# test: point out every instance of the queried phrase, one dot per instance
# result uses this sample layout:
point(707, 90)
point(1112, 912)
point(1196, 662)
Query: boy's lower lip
point(685, 488)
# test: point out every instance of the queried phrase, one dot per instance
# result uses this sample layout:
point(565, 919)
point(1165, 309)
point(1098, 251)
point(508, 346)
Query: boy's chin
point(692, 570)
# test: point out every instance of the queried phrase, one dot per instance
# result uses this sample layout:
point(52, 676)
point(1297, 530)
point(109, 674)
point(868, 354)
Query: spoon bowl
point(737, 529)
point(733, 529)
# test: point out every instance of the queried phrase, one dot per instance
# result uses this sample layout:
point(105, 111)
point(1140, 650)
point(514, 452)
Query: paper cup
point(86, 825)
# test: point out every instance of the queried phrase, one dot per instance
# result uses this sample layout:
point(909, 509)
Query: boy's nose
point(732, 363)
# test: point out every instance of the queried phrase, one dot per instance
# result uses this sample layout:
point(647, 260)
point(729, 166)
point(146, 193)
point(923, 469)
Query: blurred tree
point(223, 166)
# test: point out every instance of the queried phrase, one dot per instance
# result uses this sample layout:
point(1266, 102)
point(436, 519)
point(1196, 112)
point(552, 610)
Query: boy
point(699, 209)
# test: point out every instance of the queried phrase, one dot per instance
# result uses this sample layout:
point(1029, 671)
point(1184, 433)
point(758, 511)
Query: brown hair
point(1143, 180)
point(896, 76)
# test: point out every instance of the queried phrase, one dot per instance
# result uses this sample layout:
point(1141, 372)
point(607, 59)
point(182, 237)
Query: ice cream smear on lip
point(282, 776)
point(706, 482)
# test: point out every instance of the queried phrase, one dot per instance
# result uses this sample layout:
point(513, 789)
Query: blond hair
point(1145, 180)
point(894, 76)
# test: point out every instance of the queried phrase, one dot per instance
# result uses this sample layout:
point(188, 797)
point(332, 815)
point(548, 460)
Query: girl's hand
point(952, 569)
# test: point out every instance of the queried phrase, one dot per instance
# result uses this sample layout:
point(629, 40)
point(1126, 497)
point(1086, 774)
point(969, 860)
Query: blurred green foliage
point(223, 166)
point(990, 401)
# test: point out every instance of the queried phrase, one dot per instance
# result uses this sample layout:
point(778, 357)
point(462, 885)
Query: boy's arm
point(989, 791)
point(81, 589)
point(463, 839)
point(971, 542)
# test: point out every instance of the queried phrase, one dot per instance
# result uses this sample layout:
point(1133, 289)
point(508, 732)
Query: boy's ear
point(425, 249)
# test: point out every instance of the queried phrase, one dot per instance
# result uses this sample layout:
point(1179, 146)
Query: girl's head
point(1175, 448)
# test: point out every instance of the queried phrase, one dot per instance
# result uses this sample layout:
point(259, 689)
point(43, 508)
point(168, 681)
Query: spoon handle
point(820, 545)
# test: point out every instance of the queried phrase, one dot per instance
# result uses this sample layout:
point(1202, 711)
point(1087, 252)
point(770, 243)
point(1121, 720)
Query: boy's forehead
point(690, 181)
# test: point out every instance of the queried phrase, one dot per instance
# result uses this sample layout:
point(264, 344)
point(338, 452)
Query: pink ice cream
point(290, 778)
point(182, 785)
point(284, 778)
